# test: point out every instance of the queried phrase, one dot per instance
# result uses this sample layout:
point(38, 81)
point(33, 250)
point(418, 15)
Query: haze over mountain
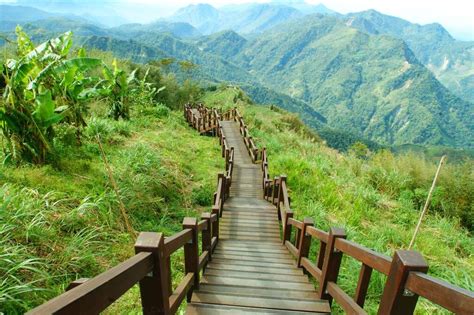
point(368, 74)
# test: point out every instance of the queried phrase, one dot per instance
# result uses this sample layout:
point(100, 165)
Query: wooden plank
point(173, 243)
point(292, 249)
point(251, 238)
point(453, 298)
point(233, 222)
point(250, 228)
point(258, 283)
point(376, 261)
point(213, 309)
point(96, 294)
point(282, 260)
point(178, 295)
point(281, 304)
point(255, 233)
point(259, 292)
point(253, 249)
point(260, 275)
point(311, 268)
point(253, 254)
point(255, 269)
point(344, 300)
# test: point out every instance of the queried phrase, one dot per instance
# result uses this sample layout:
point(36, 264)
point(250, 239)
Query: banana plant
point(119, 87)
point(42, 88)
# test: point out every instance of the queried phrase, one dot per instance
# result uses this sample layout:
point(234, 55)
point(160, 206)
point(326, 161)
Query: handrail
point(452, 298)
point(333, 245)
point(150, 267)
point(95, 295)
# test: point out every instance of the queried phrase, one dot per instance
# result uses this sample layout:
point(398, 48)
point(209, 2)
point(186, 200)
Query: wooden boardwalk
point(251, 271)
point(237, 261)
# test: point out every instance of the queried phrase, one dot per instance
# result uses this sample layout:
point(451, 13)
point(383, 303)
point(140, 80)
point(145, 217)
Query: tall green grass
point(376, 199)
point(61, 222)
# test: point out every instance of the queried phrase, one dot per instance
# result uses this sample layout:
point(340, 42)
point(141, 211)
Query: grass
point(375, 199)
point(61, 222)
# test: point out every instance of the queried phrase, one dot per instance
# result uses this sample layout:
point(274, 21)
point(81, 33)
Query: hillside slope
point(372, 85)
point(451, 60)
point(376, 198)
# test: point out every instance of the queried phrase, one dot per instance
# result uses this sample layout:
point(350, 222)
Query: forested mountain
point(451, 60)
point(372, 85)
point(179, 29)
point(243, 19)
point(365, 73)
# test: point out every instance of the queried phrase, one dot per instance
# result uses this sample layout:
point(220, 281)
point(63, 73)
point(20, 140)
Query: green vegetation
point(449, 59)
point(375, 196)
point(60, 218)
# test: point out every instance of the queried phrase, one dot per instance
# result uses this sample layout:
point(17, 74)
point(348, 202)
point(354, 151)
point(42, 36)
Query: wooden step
point(259, 292)
point(257, 283)
point(252, 250)
point(253, 275)
point(280, 260)
point(249, 228)
point(213, 309)
point(251, 263)
point(249, 244)
point(253, 254)
point(270, 303)
point(254, 269)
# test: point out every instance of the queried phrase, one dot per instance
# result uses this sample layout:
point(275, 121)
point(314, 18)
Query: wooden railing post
point(332, 262)
point(191, 254)
point(287, 227)
point(223, 146)
point(154, 288)
point(305, 240)
point(223, 190)
point(215, 224)
point(280, 192)
point(395, 299)
point(275, 189)
point(207, 234)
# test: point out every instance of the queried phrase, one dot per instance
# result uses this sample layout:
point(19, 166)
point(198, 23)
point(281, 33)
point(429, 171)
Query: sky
point(457, 16)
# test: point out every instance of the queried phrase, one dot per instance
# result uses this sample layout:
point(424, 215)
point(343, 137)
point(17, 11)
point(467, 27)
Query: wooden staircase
point(247, 261)
point(251, 271)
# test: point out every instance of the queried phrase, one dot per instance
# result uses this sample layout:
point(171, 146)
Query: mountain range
point(368, 74)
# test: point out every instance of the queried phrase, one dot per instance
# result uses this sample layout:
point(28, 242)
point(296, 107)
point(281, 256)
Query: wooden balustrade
point(406, 271)
point(151, 267)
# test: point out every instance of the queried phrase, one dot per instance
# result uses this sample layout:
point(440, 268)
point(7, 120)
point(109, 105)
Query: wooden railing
point(406, 271)
point(151, 266)
point(202, 119)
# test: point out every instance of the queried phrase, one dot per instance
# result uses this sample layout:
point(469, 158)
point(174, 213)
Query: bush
point(98, 127)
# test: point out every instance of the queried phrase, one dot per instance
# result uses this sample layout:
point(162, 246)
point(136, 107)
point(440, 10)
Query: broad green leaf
point(44, 112)
point(81, 53)
point(23, 42)
point(131, 77)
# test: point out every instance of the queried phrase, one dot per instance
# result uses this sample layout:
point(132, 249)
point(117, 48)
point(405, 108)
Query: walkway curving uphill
point(247, 268)
point(251, 272)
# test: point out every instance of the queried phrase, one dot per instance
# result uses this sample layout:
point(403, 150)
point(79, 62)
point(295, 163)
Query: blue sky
point(457, 16)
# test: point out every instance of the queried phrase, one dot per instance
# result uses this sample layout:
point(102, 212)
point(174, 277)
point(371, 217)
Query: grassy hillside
point(376, 197)
point(60, 219)
point(61, 222)
point(371, 85)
